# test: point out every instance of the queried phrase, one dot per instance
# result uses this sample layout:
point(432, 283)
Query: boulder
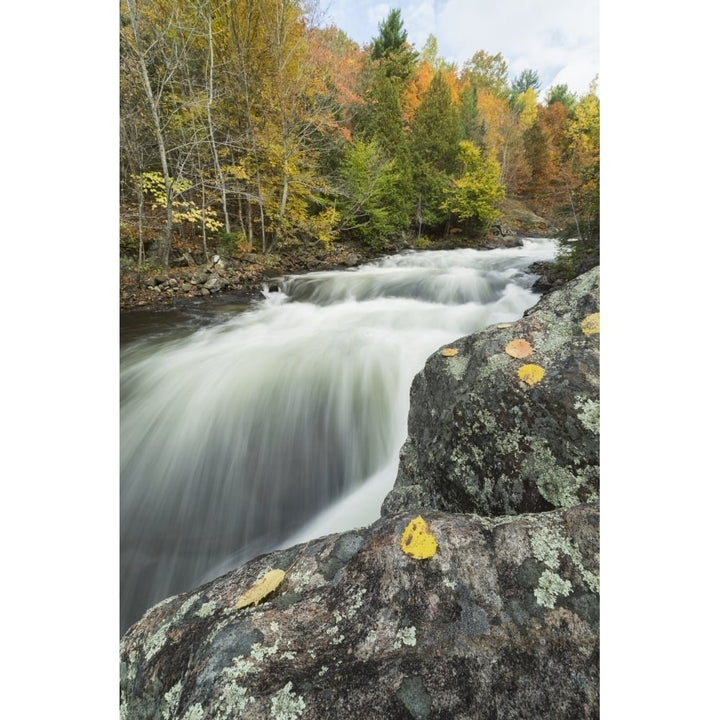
point(501, 622)
point(481, 440)
point(214, 283)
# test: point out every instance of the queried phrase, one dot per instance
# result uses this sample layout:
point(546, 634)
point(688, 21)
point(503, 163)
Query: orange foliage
point(420, 82)
point(417, 86)
point(340, 60)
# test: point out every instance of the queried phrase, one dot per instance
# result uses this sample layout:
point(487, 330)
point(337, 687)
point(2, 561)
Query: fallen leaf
point(591, 324)
point(518, 348)
point(531, 374)
point(417, 541)
point(261, 589)
point(449, 352)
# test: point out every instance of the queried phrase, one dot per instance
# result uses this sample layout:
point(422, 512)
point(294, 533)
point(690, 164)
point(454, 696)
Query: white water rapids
point(284, 422)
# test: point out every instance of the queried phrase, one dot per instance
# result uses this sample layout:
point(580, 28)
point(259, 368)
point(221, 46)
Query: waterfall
point(261, 428)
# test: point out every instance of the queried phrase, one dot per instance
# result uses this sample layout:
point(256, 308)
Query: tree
point(473, 197)
point(285, 110)
point(434, 137)
point(487, 73)
point(368, 185)
point(561, 94)
point(546, 150)
point(392, 49)
point(584, 162)
point(380, 115)
point(146, 53)
point(380, 121)
point(524, 81)
point(513, 169)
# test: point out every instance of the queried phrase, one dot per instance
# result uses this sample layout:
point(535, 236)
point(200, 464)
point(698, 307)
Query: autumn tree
point(148, 55)
point(474, 195)
point(546, 148)
point(488, 73)
point(521, 114)
point(584, 164)
point(281, 112)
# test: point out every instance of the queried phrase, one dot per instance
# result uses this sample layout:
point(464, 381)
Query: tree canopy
point(247, 125)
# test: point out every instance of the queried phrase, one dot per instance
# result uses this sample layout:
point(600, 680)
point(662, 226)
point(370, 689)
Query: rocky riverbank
point(189, 278)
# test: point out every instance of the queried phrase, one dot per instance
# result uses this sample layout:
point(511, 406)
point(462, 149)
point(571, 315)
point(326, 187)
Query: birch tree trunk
point(154, 103)
point(211, 128)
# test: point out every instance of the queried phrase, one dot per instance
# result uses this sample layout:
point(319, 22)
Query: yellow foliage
point(591, 324)
point(261, 589)
point(449, 352)
point(518, 348)
point(494, 113)
point(417, 541)
point(531, 374)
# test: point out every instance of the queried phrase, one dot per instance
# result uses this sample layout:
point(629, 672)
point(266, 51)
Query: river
point(244, 428)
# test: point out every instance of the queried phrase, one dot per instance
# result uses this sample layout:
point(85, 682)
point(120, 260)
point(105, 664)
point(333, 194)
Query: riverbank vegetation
point(248, 127)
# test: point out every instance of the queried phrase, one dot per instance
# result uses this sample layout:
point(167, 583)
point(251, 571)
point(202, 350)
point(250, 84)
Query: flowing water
point(245, 429)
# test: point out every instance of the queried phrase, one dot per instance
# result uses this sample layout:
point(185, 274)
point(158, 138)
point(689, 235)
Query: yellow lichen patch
point(261, 589)
point(531, 374)
point(518, 348)
point(449, 352)
point(417, 541)
point(591, 324)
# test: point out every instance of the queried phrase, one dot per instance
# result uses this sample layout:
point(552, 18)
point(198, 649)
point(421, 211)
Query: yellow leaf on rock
point(417, 541)
point(449, 352)
point(261, 589)
point(591, 324)
point(518, 348)
point(531, 374)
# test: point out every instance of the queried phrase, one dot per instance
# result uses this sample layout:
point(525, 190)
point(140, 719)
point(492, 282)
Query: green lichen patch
point(206, 609)
point(405, 636)
point(172, 699)
point(155, 641)
point(457, 366)
point(549, 545)
point(194, 712)
point(287, 705)
point(589, 414)
point(234, 700)
point(550, 586)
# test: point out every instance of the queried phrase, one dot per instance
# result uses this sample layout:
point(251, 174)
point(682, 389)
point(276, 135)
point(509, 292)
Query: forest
point(247, 126)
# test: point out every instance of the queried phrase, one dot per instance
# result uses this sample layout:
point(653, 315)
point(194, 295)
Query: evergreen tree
point(525, 80)
point(561, 94)
point(434, 136)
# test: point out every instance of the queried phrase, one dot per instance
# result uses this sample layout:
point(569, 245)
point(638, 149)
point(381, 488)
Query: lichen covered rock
point(494, 434)
point(501, 621)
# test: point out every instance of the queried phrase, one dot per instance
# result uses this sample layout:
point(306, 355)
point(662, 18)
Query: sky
point(559, 39)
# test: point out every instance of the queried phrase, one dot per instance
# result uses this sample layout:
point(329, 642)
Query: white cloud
point(556, 38)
